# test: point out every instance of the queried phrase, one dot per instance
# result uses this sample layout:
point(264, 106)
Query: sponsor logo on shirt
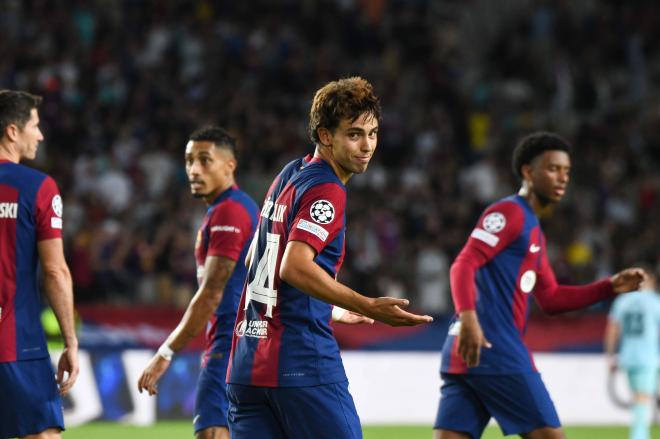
point(312, 228)
point(225, 229)
point(273, 211)
point(56, 223)
point(322, 211)
point(9, 210)
point(252, 328)
point(494, 222)
point(57, 205)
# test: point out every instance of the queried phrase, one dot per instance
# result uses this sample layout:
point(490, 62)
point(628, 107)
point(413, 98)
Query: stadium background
point(125, 81)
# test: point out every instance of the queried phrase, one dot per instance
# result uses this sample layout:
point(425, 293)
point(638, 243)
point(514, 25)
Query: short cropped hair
point(534, 145)
point(216, 135)
point(15, 108)
point(346, 98)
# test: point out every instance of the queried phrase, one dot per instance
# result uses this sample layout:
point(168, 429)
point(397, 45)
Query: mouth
point(195, 185)
point(363, 159)
point(559, 191)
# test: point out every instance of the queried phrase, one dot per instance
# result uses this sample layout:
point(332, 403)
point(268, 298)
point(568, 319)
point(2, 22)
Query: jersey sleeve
point(230, 227)
point(48, 211)
point(497, 227)
point(320, 215)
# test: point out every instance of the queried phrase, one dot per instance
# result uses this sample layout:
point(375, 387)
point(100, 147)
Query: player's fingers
point(486, 343)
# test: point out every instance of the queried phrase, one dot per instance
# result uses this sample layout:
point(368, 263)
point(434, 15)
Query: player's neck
point(210, 198)
point(537, 205)
point(9, 153)
point(326, 155)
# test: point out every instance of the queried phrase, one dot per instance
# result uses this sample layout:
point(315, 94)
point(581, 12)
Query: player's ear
point(325, 136)
point(526, 171)
point(11, 132)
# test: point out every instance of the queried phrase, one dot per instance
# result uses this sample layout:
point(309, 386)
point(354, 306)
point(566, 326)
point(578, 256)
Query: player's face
point(549, 174)
point(210, 169)
point(29, 136)
point(354, 143)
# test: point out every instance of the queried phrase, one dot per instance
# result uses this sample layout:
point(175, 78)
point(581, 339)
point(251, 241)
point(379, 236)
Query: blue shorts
point(643, 379)
point(211, 403)
point(520, 403)
point(318, 412)
point(29, 398)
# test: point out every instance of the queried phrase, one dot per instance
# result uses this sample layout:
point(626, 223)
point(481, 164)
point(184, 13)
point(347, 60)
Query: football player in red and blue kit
point(285, 377)
point(222, 244)
point(487, 370)
point(30, 236)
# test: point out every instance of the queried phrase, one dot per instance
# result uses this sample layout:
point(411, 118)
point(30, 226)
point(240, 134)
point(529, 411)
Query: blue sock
point(641, 420)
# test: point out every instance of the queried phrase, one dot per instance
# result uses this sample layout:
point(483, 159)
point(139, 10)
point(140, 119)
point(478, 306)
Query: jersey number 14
point(262, 288)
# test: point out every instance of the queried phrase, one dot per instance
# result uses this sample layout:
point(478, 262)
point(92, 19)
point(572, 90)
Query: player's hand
point(471, 339)
point(68, 363)
point(152, 373)
point(627, 280)
point(353, 318)
point(388, 310)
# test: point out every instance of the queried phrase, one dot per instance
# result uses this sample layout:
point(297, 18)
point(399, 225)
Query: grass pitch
point(183, 429)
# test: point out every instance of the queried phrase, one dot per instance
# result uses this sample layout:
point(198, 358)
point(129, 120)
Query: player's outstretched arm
point(217, 271)
point(59, 291)
point(299, 269)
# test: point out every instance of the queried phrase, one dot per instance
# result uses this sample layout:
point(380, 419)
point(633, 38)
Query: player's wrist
point(337, 313)
point(165, 352)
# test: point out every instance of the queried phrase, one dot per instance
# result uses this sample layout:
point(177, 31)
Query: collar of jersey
point(524, 202)
point(322, 162)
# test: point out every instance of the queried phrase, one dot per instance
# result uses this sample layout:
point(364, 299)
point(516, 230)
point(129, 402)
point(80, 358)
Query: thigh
point(29, 401)
point(325, 411)
point(520, 403)
point(460, 409)
point(250, 414)
point(211, 402)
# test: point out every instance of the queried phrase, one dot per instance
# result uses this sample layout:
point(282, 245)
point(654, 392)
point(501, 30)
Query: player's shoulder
point(317, 173)
point(27, 177)
point(503, 212)
point(243, 198)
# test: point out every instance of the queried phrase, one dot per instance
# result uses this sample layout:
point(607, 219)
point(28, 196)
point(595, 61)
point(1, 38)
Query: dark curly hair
point(535, 144)
point(347, 98)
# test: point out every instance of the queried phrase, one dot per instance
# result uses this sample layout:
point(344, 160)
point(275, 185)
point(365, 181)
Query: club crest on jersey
point(322, 211)
point(57, 205)
point(494, 222)
point(527, 281)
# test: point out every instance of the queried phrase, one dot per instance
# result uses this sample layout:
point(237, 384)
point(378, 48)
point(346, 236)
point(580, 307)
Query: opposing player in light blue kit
point(633, 325)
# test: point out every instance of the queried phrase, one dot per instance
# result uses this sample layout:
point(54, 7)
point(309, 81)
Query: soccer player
point(30, 235)
point(286, 378)
point(504, 262)
point(223, 239)
point(633, 324)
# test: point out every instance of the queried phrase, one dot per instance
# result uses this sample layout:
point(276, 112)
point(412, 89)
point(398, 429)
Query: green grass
point(183, 429)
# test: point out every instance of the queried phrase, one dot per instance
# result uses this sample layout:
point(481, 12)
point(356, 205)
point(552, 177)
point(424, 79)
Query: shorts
point(29, 400)
point(519, 403)
point(320, 412)
point(643, 379)
point(211, 403)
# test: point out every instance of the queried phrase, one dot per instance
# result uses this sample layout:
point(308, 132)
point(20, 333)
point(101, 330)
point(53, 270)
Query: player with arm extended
point(634, 325)
point(30, 235)
point(286, 378)
point(504, 262)
point(222, 243)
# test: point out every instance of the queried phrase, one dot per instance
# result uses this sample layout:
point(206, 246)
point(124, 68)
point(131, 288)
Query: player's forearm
point(198, 313)
point(563, 298)
point(311, 279)
point(59, 292)
point(461, 278)
point(611, 338)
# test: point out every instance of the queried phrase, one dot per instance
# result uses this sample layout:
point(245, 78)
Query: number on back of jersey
point(262, 288)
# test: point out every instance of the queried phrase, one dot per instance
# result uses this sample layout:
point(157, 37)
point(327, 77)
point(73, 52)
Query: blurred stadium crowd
point(125, 81)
